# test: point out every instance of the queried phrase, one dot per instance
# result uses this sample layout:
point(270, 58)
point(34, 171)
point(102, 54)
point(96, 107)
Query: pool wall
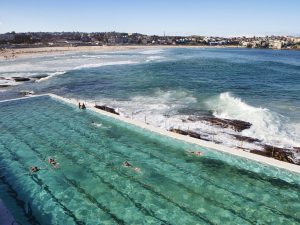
point(210, 145)
point(213, 146)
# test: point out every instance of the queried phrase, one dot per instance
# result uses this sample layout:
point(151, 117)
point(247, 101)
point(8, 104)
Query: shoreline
point(13, 53)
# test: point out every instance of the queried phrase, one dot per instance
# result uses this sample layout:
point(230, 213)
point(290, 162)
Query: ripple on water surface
point(92, 187)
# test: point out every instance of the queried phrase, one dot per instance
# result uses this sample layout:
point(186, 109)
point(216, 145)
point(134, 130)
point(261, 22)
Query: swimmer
point(196, 153)
point(34, 169)
point(127, 164)
point(53, 163)
point(79, 105)
point(83, 106)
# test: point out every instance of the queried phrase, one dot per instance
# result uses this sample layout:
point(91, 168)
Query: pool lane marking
point(211, 146)
point(85, 135)
point(103, 208)
point(225, 208)
point(184, 208)
point(13, 194)
point(31, 147)
point(43, 186)
point(279, 212)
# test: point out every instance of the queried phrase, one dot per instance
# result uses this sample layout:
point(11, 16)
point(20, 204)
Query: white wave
point(96, 56)
point(154, 58)
point(155, 107)
point(268, 126)
point(50, 75)
point(152, 51)
point(161, 109)
point(7, 81)
point(94, 65)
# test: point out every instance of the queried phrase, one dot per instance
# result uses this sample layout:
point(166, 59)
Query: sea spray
point(266, 125)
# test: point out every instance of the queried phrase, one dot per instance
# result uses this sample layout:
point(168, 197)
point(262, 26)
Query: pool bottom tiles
point(91, 186)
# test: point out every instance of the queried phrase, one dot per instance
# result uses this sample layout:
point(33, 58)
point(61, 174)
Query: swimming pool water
point(92, 187)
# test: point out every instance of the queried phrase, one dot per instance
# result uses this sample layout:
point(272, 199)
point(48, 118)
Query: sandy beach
point(27, 52)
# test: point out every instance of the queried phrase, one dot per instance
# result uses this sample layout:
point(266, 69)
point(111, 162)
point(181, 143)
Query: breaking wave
point(155, 108)
point(152, 51)
point(268, 126)
point(50, 75)
point(94, 65)
point(154, 58)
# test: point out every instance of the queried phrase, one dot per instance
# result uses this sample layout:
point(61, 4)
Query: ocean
point(166, 86)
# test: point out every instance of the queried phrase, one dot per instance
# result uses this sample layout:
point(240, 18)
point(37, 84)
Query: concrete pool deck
point(213, 146)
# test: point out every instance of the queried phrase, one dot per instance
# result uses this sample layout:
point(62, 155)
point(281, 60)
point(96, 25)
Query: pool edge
point(221, 148)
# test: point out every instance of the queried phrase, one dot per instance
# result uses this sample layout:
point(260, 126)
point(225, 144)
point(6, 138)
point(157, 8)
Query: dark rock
point(107, 109)
point(189, 133)
point(245, 138)
point(4, 85)
point(21, 79)
point(194, 134)
point(297, 149)
point(236, 125)
point(37, 77)
point(178, 131)
point(263, 153)
point(282, 154)
point(26, 93)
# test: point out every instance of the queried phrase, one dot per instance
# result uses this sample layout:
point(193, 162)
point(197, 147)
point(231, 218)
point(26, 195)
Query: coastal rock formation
point(38, 77)
point(188, 133)
point(236, 125)
point(281, 154)
point(245, 138)
point(25, 93)
point(4, 85)
point(107, 109)
point(21, 79)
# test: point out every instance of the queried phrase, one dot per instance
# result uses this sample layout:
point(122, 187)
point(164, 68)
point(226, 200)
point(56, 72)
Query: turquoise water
point(168, 85)
point(92, 187)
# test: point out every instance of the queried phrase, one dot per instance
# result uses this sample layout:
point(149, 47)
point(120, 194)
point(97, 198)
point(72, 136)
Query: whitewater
point(164, 87)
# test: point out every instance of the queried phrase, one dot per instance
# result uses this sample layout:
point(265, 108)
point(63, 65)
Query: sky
point(185, 17)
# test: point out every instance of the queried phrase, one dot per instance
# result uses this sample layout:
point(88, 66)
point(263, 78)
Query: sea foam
point(94, 65)
point(268, 126)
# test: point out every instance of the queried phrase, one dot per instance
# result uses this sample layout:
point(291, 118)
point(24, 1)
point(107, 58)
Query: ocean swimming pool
point(92, 187)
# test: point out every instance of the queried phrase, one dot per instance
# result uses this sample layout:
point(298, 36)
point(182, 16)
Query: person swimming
point(83, 106)
point(53, 163)
point(79, 105)
point(127, 164)
point(197, 153)
point(34, 169)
